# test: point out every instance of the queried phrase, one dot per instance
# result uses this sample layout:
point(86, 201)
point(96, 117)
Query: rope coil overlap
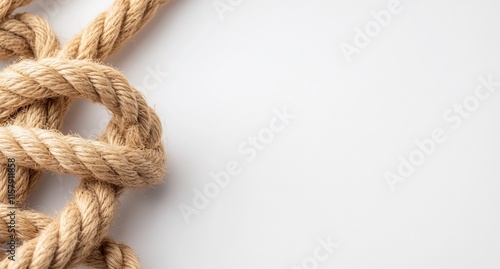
point(35, 94)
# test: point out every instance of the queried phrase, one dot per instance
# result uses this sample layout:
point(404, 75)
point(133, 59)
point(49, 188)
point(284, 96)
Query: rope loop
point(36, 92)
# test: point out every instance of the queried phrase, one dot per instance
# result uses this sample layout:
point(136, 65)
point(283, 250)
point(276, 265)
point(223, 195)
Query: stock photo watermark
point(364, 36)
point(222, 7)
point(324, 250)
point(153, 79)
point(50, 8)
point(11, 216)
point(453, 117)
point(249, 149)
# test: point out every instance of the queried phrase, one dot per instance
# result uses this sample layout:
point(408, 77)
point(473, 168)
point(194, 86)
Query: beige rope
point(35, 95)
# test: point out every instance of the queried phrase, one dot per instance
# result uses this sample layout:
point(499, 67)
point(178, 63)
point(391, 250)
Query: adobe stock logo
point(454, 116)
point(363, 37)
point(152, 79)
point(51, 7)
point(223, 6)
point(249, 149)
point(322, 252)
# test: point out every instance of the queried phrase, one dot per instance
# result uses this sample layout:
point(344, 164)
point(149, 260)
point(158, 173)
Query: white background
point(323, 175)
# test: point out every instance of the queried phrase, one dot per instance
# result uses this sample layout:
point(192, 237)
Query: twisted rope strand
point(48, 114)
point(109, 254)
point(8, 6)
point(36, 93)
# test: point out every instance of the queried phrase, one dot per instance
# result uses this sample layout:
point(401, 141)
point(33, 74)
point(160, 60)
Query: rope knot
point(36, 92)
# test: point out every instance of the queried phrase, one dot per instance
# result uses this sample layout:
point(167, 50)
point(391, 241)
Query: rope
point(35, 93)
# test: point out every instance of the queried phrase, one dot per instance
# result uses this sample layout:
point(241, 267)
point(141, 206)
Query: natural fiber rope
point(35, 94)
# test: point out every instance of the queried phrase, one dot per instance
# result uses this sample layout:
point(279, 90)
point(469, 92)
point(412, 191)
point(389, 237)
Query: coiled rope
point(35, 94)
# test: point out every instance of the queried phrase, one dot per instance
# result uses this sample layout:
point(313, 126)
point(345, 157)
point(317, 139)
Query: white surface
point(323, 175)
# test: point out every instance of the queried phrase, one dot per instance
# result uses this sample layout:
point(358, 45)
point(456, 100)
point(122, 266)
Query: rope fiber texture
point(35, 94)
